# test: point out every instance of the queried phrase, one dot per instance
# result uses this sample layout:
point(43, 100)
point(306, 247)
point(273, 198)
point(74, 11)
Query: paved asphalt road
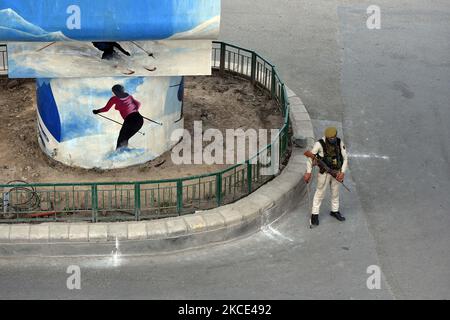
point(389, 91)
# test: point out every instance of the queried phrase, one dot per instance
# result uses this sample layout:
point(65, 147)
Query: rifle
point(317, 160)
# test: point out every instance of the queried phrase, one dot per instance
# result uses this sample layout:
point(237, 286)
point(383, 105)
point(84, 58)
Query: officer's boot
point(314, 220)
point(337, 215)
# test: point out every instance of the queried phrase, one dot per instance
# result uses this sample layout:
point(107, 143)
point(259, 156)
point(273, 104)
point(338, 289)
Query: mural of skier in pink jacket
point(128, 107)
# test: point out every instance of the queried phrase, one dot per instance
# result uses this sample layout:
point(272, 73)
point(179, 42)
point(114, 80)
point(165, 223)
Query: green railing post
point(249, 176)
point(94, 196)
point(137, 201)
point(281, 147)
point(179, 197)
point(285, 138)
point(253, 70)
point(273, 87)
point(219, 189)
point(222, 58)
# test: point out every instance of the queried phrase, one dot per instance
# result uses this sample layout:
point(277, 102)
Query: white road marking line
point(368, 156)
point(274, 234)
point(116, 255)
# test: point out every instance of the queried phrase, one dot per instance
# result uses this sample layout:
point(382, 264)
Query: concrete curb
point(239, 219)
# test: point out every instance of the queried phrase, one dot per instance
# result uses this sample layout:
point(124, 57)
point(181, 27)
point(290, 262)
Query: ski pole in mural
point(121, 124)
point(150, 54)
point(81, 50)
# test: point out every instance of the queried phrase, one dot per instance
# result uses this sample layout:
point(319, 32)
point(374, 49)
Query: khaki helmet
point(330, 132)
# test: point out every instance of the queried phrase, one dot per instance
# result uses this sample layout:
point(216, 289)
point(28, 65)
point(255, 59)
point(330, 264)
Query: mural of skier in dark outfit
point(129, 110)
point(108, 49)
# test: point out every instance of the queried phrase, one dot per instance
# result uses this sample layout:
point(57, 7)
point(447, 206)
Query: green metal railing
point(144, 200)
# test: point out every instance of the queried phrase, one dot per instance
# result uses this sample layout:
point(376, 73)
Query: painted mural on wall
point(85, 38)
point(108, 20)
point(108, 123)
point(109, 59)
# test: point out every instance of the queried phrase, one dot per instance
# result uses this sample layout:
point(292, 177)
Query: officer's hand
point(127, 53)
point(95, 112)
point(340, 177)
point(307, 177)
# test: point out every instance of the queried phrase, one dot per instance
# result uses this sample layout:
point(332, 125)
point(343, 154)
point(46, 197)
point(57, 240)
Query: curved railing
point(143, 200)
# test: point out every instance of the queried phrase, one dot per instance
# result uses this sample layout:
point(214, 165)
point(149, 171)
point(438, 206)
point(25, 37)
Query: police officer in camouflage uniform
point(332, 150)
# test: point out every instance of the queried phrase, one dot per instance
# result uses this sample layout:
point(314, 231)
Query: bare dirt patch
point(223, 103)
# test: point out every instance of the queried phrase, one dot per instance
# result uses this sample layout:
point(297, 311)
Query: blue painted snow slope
point(48, 110)
point(102, 20)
